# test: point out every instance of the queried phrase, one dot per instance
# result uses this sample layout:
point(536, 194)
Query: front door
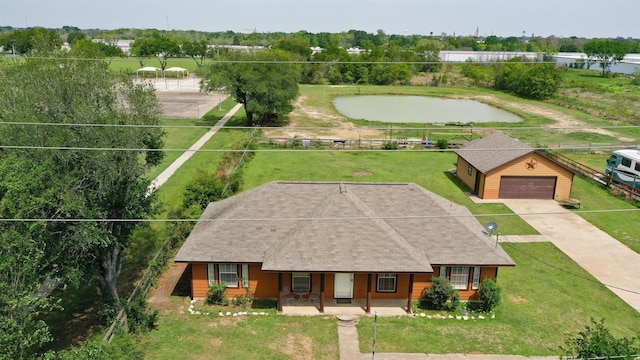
point(343, 286)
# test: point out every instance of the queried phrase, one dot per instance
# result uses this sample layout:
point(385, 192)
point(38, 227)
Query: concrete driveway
point(604, 257)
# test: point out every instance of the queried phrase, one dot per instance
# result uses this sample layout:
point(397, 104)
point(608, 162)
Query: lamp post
point(375, 327)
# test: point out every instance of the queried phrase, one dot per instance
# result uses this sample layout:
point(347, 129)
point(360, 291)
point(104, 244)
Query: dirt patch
point(186, 104)
point(338, 126)
point(518, 299)
point(215, 342)
point(171, 285)
point(297, 347)
point(562, 122)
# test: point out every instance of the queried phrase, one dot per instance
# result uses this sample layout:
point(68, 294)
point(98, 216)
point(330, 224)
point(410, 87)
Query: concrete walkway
point(168, 172)
point(604, 257)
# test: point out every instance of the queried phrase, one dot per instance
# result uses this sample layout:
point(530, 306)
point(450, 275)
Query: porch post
point(321, 293)
point(410, 294)
point(368, 309)
point(280, 298)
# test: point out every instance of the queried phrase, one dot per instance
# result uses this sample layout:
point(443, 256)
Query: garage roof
point(491, 151)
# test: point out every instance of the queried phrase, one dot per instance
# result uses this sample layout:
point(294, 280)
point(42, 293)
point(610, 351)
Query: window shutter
point(211, 274)
point(245, 276)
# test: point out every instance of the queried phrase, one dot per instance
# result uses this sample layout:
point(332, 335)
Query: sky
point(503, 18)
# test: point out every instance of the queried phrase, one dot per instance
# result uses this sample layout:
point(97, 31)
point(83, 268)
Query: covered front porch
point(383, 307)
point(340, 293)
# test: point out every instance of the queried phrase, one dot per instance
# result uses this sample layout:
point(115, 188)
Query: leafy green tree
point(596, 341)
point(98, 50)
point(604, 51)
point(161, 48)
point(294, 45)
point(103, 186)
point(28, 41)
point(429, 51)
point(264, 82)
point(75, 36)
point(197, 50)
point(540, 82)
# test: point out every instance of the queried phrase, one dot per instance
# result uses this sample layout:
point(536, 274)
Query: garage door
point(527, 187)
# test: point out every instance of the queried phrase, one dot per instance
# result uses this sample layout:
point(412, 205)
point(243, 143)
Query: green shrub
point(597, 342)
point(437, 296)
point(442, 143)
point(203, 189)
point(489, 295)
point(241, 300)
point(139, 317)
point(390, 145)
point(217, 294)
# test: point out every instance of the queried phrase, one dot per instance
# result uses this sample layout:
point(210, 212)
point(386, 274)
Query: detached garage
point(498, 166)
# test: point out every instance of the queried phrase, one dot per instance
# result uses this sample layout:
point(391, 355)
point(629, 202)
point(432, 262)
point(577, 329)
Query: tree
point(161, 47)
point(294, 45)
point(263, 82)
point(538, 81)
point(25, 42)
point(197, 50)
point(99, 50)
point(100, 186)
point(604, 51)
point(596, 341)
point(74, 36)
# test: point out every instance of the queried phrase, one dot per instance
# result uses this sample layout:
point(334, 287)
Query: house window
point(229, 274)
point(301, 281)
point(476, 278)
point(469, 170)
point(386, 283)
point(459, 277)
point(443, 271)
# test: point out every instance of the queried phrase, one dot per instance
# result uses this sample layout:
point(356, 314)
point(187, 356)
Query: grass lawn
point(542, 306)
point(427, 169)
point(180, 336)
point(622, 225)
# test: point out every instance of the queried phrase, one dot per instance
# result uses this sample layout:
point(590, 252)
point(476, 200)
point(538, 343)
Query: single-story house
point(500, 167)
point(347, 240)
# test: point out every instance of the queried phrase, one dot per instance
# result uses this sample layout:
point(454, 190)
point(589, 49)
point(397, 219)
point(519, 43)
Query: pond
point(419, 109)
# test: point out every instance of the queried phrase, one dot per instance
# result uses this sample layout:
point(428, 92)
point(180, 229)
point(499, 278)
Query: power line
point(444, 127)
point(329, 218)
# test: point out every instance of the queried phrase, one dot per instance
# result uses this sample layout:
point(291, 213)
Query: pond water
point(419, 109)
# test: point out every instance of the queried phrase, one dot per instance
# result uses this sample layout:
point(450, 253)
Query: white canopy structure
point(148, 69)
point(178, 70)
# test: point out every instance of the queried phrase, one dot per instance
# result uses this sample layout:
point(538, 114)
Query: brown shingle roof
point(350, 227)
point(491, 151)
